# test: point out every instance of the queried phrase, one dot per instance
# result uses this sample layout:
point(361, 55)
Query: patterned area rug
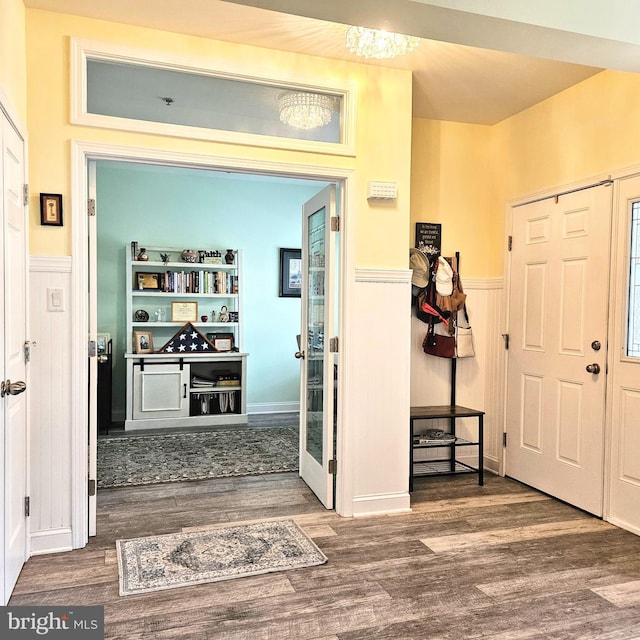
point(162, 562)
point(151, 459)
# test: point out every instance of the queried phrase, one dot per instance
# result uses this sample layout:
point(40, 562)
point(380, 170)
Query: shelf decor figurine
point(189, 256)
point(229, 257)
point(165, 257)
point(142, 256)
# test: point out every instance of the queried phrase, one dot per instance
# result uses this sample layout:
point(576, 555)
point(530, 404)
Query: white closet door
point(13, 293)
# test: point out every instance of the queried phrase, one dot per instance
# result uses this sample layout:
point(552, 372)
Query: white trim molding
point(52, 264)
point(81, 153)
point(83, 50)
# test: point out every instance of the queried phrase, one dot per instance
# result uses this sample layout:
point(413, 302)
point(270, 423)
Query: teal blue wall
point(198, 209)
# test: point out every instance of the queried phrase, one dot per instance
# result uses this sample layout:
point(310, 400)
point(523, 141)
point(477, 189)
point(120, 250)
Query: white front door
point(13, 293)
point(624, 477)
point(317, 401)
point(557, 356)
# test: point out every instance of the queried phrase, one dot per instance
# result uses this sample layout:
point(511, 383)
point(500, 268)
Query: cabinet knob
point(299, 354)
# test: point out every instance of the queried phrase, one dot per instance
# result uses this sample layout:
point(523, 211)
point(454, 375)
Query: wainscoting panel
point(479, 379)
point(378, 406)
point(50, 406)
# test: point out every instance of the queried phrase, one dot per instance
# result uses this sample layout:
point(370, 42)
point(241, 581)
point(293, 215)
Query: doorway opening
point(298, 179)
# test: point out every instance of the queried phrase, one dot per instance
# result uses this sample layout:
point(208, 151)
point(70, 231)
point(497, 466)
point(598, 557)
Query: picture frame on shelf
point(222, 341)
point(102, 342)
point(143, 341)
point(290, 273)
point(148, 280)
point(184, 311)
point(51, 209)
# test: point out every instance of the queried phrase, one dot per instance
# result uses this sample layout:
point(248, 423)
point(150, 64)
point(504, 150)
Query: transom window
point(124, 90)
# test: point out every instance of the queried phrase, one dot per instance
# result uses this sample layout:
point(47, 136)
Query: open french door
point(318, 346)
point(92, 330)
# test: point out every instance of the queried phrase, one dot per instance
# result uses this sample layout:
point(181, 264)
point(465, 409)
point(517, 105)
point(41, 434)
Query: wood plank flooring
point(500, 561)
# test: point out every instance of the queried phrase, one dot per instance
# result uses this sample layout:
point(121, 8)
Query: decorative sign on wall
point(429, 238)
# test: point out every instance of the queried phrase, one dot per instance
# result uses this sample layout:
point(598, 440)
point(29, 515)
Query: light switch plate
point(55, 299)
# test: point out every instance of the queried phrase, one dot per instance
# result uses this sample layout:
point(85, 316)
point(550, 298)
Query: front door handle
point(8, 388)
point(593, 368)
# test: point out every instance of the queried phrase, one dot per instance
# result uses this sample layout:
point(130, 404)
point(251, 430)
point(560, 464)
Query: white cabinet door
point(160, 391)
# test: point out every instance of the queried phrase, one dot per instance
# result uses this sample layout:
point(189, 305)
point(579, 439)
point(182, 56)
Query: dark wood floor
point(499, 561)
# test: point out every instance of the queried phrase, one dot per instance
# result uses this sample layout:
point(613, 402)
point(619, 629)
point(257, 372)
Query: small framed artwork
point(290, 273)
point(143, 341)
point(148, 280)
point(184, 312)
point(51, 209)
point(102, 342)
point(221, 341)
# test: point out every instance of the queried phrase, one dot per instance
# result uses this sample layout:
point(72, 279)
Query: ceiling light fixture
point(305, 110)
point(373, 43)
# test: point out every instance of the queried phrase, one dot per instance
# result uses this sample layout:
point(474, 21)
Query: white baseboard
point(52, 541)
point(273, 407)
point(381, 504)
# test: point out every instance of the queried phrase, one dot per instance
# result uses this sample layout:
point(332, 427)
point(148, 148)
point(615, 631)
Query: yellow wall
point(464, 175)
point(450, 184)
point(383, 130)
point(13, 80)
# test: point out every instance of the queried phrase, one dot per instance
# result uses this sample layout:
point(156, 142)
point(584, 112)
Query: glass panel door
point(317, 379)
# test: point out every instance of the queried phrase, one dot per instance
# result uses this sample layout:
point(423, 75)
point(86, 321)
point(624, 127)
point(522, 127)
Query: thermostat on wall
point(382, 190)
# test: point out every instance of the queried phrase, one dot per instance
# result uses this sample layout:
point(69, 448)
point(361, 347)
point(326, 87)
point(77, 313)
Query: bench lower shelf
point(449, 466)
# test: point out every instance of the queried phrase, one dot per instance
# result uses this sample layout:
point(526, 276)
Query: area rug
point(163, 562)
point(149, 459)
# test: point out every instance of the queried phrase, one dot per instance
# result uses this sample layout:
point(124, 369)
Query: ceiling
point(450, 81)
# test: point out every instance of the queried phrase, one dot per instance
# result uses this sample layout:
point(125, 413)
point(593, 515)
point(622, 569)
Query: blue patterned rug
point(133, 460)
point(162, 562)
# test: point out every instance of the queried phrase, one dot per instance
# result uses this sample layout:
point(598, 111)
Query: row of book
point(207, 282)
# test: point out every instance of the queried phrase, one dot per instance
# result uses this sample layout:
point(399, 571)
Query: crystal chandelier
point(305, 110)
point(372, 43)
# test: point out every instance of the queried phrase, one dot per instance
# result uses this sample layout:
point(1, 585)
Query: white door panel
point(557, 309)
point(624, 476)
point(14, 425)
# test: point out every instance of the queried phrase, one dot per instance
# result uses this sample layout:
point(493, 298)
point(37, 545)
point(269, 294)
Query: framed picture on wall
point(51, 209)
point(290, 273)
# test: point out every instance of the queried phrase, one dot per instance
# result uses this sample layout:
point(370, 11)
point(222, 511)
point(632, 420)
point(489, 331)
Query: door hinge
point(504, 439)
point(333, 345)
point(92, 349)
point(335, 223)
point(510, 243)
point(92, 487)
point(91, 207)
point(25, 191)
point(505, 337)
point(333, 467)
point(27, 507)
